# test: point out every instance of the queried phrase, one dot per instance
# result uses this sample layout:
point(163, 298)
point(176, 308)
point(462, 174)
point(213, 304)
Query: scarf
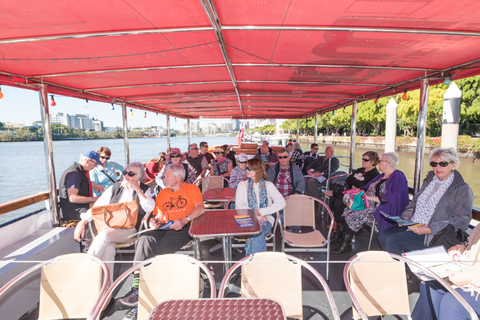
point(428, 200)
point(252, 197)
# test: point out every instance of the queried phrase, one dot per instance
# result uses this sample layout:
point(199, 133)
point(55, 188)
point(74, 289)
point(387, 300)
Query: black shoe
point(337, 237)
point(128, 301)
point(346, 245)
point(131, 314)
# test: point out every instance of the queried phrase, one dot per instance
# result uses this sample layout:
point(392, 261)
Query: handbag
point(448, 237)
point(115, 216)
point(338, 188)
point(355, 199)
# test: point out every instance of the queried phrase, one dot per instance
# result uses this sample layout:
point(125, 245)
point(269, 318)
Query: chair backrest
point(272, 275)
point(378, 283)
point(169, 276)
point(213, 182)
point(299, 211)
point(70, 287)
point(338, 176)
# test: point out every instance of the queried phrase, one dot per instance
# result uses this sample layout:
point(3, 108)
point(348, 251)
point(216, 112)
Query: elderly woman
point(131, 188)
point(296, 155)
point(105, 175)
point(387, 192)
point(239, 173)
point(444, 198)
point(261, 196)
point(435, 302)
point(357, 179)
point(176, 157)
point(154, 166)
point(221, 166)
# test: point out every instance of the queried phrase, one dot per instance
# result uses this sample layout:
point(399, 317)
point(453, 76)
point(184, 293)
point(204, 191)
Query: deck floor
point(315, 305)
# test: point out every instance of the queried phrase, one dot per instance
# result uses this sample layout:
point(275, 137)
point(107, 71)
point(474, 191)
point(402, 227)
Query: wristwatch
point(188, 218)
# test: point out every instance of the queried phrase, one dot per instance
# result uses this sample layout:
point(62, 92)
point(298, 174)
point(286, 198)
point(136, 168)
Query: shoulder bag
point(448, 237)
point(116, 215)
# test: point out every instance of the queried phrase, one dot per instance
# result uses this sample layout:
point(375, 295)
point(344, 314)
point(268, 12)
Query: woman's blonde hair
point(258, 166)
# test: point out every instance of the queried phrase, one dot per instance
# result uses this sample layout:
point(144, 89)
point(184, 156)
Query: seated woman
point(221, 166)
point(131, 188)
point(356, 180)
point(387, 192)
point(296, 156)
point(105, 175)
point(230, 154)
point(261, 196)
point(444, 198)
point(435, 302)
point(175, 157)
point(154, 166)
point(239, 173)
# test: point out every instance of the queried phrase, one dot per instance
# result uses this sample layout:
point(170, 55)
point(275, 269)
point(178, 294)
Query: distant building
point(211, 128)
point(226, 127)
point(97, 125)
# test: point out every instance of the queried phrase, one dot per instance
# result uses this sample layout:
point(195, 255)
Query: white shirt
point(127, 195)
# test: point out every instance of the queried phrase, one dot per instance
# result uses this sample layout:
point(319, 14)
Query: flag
point(240, 135)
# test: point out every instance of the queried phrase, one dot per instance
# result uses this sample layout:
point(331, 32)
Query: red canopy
point(244, 59)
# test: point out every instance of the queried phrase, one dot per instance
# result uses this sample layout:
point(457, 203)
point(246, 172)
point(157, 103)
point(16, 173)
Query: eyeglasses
point(242, 162)
point(106, 158)
point(175, 156)
point(128, 173)
point(249, 169)
point(203, 146)
point(282, 157)
point(218, 152)
point(365, 159)
point(382, 160)
point(433, 164)
point(193, 148)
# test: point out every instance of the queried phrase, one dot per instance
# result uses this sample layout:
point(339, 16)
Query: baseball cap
point(92, 155)
point(242, 157)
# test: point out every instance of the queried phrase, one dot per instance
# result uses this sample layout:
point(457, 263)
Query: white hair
point(139, 167)
point(392, 158)
point(445, 154)
point(177, 169)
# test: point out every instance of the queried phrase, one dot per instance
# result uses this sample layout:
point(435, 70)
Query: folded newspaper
point(436, 259)
point(319, 179)
point(402, 221)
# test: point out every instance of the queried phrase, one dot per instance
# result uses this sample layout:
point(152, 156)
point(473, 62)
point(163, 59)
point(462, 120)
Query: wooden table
point(219, 194)
point(219, 309)
point(221, 223)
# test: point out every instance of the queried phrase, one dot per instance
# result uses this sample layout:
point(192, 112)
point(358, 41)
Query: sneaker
point(130, 300)
point(131, 314)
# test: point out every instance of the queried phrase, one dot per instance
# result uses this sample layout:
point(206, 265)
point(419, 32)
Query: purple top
point(395, 199)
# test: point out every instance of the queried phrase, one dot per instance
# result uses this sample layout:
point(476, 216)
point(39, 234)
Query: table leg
point(227, 252)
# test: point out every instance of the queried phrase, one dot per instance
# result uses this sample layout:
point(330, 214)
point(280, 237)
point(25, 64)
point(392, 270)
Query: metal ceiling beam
point(318, 83)
point(235, 101)
point(343, 66)
point(156, 85)
point(215, 21)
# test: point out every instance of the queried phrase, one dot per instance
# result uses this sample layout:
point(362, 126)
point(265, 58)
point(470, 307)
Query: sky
point(22, 106)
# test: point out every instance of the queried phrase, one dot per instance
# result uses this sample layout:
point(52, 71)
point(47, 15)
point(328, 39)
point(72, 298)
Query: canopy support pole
point(168, 130)
point(47, 144)
point(316, 128)
point(353, 130)
point(298, 128)
point(125, 134)
point(421, 128)
point(188, 131)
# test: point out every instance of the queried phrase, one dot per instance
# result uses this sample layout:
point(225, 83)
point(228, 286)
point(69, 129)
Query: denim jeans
point(257, 243)
point(435, 302)
point(397, 240)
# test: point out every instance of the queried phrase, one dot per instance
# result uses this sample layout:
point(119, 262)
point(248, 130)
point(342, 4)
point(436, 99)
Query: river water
point(23, 163)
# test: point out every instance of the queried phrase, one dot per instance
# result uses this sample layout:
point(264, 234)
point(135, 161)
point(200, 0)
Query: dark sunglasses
point(193, 148)
point(242, 162)
point(249, 169)
point(218, 152)
point(175, 156)
point(365, 159)
point(129, 173)
point(283, 157)
point(433, 164)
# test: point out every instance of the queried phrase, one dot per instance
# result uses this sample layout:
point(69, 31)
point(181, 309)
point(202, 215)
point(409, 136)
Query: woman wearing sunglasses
point(261, 196)
point(239, 173)
point(107, 174)
point(221, 166)
point(444, 198)
point(175, 157)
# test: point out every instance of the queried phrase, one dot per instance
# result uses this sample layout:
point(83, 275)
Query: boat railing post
point(421, 128)
point(168, 130)
point(316, 128)
point(353, 129)
point(391, 126)
point(125, 134)
point(298, 129)
point(47, 143)
point(188, 131)
point(451, 116)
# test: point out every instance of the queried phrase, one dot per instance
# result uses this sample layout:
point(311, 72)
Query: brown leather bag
point(116, 215)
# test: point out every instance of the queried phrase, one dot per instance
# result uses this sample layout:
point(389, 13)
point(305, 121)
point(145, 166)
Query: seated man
point(179, 202)
point(196, 161)
point(319, 168)
point(268, 158)
point(75, 187)
point(286, 175)
point(265, 143)
point(204, 151)
point(309, 157)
